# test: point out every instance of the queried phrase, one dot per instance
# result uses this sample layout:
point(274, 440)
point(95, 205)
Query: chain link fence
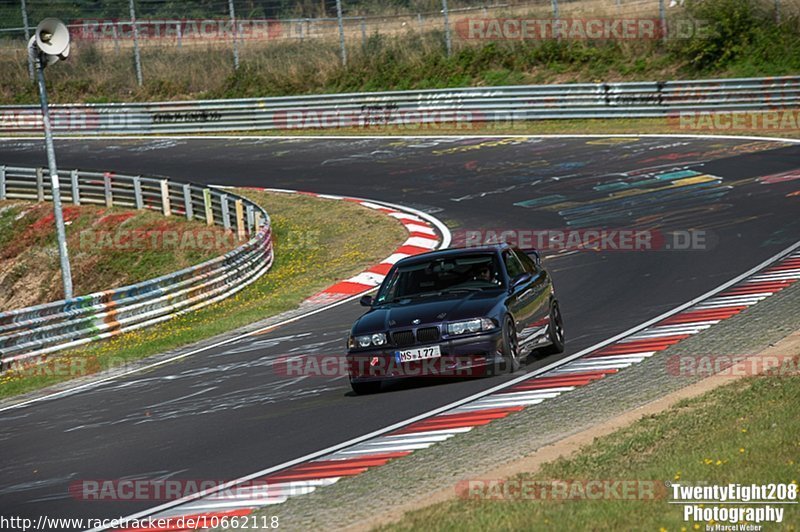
point(242, 30)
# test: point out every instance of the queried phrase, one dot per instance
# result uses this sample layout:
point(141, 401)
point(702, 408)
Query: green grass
point(610, 126)
point(308, 232)
point(745, 432)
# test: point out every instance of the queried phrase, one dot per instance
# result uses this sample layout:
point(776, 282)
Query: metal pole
point(116, 38)
point(66, 273)
point(136, 54)
point(447, 29)
point(554, 4)
point(27, 37)
point(235, 42)
point(777, 11)
point(341, 31)
point(662, 12)
point(363, 32)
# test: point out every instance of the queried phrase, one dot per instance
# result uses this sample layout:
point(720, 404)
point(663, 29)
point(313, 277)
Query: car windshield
point(437, 276)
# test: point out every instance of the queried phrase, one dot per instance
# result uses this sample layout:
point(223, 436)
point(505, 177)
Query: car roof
point(453, 252)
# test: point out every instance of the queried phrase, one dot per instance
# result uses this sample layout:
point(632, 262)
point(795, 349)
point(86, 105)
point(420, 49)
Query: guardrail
point(43, 329)
point(438, 106)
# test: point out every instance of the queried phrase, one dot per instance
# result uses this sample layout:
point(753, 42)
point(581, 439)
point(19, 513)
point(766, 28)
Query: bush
point(738, 33)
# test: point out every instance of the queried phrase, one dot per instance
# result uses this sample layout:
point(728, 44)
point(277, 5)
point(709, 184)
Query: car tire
point(555, 333)
point(366, 388)
point(510, 350)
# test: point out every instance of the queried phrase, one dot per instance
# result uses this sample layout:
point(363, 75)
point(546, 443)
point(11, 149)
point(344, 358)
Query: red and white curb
point(423, 236)
point(304, 476)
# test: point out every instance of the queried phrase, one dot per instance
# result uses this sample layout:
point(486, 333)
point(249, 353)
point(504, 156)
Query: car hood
point(433, 309)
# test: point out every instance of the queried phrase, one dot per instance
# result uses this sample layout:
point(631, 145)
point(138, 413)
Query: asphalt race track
point(225, 412)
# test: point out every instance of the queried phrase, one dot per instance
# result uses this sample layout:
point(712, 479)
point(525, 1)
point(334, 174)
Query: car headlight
point(470, 326)
point(368, 340)
point(378, 339)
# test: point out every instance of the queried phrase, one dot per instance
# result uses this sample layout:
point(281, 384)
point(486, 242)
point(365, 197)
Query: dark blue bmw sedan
point(455, 312)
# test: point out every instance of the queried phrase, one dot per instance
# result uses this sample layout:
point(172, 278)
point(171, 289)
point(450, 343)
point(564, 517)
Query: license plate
point(423, 353)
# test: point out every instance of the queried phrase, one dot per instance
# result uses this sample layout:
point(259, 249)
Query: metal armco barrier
point(37, 331)
point(440, 106)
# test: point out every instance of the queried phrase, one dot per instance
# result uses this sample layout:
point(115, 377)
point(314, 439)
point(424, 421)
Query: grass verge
point(746, 432)
point(108, 248)
point(308, 232)
point(776, 124)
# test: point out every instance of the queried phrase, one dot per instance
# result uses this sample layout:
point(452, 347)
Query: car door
point(522, 294)
point(540, 287)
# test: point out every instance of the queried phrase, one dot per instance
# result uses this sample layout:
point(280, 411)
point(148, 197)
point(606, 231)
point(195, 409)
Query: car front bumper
point(469, 356)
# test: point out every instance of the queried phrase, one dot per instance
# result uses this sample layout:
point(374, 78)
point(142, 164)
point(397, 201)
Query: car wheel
point(510, 362)
point(555, 332)
point(365, 388)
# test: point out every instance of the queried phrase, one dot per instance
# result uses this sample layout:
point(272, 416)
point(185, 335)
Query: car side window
point(527, 262)
point(513, 265)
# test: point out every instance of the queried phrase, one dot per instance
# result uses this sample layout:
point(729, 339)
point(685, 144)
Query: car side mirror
point(533, 254)
point(366, 301)
point(521, 279)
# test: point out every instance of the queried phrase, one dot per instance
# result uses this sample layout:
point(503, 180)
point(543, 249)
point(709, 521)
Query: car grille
point(403, 338)
point(428, 334)
point(424, 335)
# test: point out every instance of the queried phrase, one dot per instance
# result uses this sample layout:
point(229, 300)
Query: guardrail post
point(137, 192)
point(187, 201)
point(76, 187)
point(209, 208)
point(240, 232)
point(165, 198)
point(226, 212)
point(251, 220)
point(258, 222)
point(39, 184)
point(107, 189)
point(2, 182)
